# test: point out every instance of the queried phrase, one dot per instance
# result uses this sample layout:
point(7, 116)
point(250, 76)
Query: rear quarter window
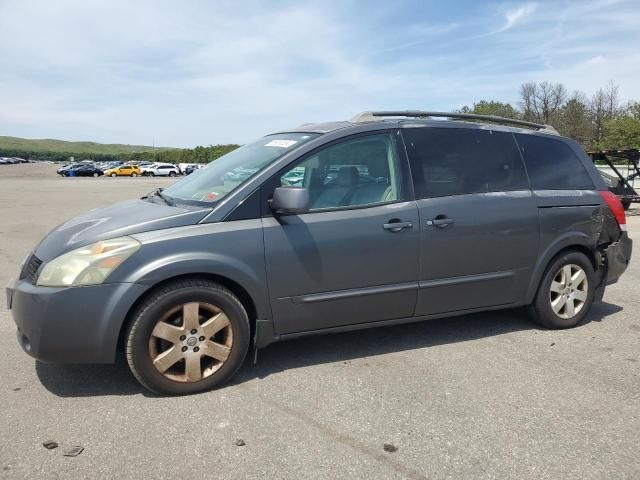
point(552, 164)
point(459, 161)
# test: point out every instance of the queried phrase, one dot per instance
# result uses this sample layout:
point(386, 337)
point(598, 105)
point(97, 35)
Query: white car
point(160, 170)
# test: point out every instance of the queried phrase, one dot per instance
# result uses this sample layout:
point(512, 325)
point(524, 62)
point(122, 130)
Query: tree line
point(198, 154)
point(599, 121)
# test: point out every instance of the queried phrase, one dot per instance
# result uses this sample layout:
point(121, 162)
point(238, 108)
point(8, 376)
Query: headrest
point(348, 176)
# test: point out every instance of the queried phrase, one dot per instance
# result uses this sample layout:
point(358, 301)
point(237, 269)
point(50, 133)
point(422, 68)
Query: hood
point(124, 218)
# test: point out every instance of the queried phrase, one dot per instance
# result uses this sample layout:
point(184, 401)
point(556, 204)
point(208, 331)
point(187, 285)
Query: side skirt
point(265, 332)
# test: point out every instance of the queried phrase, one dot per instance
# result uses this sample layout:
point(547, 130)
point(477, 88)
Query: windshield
point(223, 175)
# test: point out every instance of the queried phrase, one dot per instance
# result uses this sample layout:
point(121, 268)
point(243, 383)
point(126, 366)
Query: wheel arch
point(238, 290)
point(573, 242)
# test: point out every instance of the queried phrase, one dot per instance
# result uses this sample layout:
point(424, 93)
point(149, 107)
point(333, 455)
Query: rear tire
point(172, 174)
point(114, 175)
point(626, 204)
point(96, 174)
point(165, 354)
point(134, 174)
point(566, 292)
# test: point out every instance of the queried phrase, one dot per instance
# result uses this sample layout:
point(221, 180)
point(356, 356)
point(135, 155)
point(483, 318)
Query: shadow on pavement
point(88, 380)
point(378, 341)
point(99, 380)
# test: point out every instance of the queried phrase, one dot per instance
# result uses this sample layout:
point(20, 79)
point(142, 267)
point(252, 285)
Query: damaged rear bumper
point(617, 258)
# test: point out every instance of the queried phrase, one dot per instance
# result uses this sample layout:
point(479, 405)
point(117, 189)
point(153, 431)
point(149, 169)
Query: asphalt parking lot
point(478, 396)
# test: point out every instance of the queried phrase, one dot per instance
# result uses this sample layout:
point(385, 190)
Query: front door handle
point(396, 226)
point(440, 222)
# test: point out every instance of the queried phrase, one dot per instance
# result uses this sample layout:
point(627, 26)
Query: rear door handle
point(397, 226)
point(440, 222)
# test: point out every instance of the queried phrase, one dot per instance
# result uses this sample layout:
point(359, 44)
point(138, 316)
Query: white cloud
point(597, 60)
point(518, 15)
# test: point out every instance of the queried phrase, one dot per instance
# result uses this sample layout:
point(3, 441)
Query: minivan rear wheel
point(565, 294)
point(187, 337)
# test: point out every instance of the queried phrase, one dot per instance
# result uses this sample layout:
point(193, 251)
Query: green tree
point(622, 131)
point(574, 120)
point(492, 107)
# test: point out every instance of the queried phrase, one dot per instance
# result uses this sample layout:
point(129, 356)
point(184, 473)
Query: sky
point(193, 73)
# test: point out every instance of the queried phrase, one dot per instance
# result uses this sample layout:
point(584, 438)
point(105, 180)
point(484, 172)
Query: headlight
point(89, 265)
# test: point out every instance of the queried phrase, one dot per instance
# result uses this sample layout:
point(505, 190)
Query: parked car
point(462, 217)
point(84, 171)
point(123, 171)
point(161, 170)
point(108, 165)
point(64, 170)
point(192, 168)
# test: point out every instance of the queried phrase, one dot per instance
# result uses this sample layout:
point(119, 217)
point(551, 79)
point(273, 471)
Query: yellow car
point(123, 171)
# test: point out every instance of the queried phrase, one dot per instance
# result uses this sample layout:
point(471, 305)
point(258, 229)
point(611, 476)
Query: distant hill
point(62, 146)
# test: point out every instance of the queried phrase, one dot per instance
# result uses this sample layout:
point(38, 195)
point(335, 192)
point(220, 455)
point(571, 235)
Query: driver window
point(360, 171)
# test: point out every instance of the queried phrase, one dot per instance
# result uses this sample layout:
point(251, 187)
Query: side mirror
point(290, 200)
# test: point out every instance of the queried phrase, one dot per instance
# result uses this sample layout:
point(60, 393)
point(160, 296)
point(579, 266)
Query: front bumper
point(618, 256)
point(71, 325)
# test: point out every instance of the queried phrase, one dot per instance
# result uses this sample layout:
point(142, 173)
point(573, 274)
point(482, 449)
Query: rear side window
point(457, 161)
point(552, 164)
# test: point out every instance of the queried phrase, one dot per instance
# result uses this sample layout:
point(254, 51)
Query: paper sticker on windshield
point(281, 143)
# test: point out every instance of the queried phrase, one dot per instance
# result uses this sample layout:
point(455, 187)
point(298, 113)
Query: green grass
point(50, 145)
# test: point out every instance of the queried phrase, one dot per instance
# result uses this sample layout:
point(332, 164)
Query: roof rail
point(375, 116)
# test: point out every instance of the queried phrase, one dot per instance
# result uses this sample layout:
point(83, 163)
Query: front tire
point(134, 174)
point(114, 175)
point(566, 292)
point(187, 337)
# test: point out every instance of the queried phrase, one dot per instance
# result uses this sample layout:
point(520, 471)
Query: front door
point(353, 258)
point(479, 221)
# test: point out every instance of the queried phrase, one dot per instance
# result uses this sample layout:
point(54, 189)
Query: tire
point(114, 175)
point(172, 174)
point(166, 306)
point(626, 204)
point(152, 174)
point(566, 294)
point(134, 174)
point(95, 175)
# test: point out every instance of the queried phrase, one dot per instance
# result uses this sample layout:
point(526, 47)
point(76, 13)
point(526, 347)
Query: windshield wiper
point(167, 199)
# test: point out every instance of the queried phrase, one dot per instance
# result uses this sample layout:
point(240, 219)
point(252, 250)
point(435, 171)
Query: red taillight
point(615, 205)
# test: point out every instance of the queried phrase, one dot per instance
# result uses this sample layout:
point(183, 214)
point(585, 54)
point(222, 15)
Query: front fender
point(234, 250)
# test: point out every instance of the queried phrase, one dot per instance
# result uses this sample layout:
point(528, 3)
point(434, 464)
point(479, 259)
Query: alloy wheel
point(191, 342)
point(568, 291)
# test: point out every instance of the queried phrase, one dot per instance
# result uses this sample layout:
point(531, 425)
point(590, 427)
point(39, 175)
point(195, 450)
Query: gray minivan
point(388, 218)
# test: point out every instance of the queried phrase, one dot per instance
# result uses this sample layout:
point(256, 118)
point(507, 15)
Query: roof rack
point(375, 116)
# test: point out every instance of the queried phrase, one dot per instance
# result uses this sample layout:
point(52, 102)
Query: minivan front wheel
point(187, 337)
point(566, 292)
